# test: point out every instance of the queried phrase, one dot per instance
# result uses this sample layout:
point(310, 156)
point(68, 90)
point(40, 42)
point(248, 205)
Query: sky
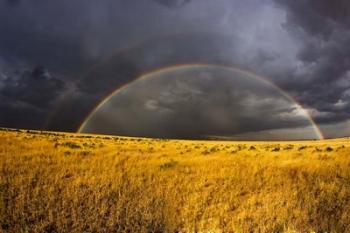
point(60, 59)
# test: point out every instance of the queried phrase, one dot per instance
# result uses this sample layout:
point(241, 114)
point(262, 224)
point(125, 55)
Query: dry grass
point(79, 183)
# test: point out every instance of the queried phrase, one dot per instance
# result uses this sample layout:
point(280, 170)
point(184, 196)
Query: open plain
point(57, 182)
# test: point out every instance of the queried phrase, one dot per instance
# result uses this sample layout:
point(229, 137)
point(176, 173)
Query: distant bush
point(317, 149)
point(169, 164)
point(241, 147)
point(288, 147)
point(72, 145)
point(214, 149)
point(206, 152)
point(252, 148)
point(84, 153)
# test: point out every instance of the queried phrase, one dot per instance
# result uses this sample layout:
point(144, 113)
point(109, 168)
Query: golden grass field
point(55, 182)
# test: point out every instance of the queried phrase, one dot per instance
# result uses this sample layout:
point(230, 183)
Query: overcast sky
point(59, 59)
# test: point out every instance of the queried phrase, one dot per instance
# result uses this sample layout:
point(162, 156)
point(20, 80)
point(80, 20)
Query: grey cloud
point(159, 52)
point(321, 17)
point(37, 87)
point(13, 2)
point(300, 45)
point(27, 96)
point(320, 80)
point(173, 3)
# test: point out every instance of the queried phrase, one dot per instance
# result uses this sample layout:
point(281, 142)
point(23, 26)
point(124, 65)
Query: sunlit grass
point(81, 183)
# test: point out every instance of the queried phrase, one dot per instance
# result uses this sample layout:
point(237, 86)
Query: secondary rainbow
point(247, 73)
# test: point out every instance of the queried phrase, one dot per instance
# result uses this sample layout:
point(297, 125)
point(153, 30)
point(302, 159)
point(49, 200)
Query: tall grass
point(73, 183)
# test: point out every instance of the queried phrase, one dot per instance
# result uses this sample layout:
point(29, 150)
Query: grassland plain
point(55, 182)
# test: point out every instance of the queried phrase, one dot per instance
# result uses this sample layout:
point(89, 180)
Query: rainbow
point(247, 73)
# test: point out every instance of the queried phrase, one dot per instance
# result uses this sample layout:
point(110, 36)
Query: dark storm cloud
point(100, 46)
point(321, 79)
point(37, 87)
point(320, 17)
point(13, 2)
point(27, 96)
point(155, 53)
point(68, 38)
point(172, 3)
